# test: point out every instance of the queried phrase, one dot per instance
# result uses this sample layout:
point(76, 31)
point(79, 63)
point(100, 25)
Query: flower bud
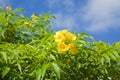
point(9, 8)
point(34, 16)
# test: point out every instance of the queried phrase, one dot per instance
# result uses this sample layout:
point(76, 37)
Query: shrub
point(29, 50)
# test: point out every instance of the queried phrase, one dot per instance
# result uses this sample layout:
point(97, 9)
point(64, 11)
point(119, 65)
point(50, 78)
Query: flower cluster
point(65, 41)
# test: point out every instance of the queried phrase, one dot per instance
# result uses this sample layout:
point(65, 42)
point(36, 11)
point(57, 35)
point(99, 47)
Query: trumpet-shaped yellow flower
point(59, 37)
point(62, 47)
point(64, 31)
point(70, 36)
point(64, 35)
point(65, 41)
point(34, 16)
point(9, 8)
point(73, 48)
point(26, 23)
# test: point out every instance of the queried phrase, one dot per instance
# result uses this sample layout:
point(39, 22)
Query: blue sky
point(99, 18)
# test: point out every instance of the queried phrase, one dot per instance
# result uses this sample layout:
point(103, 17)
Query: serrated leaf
point(107, 58)
point(38, 74)
point(4, 56)
point(53, 57)
point(116, 54)
point(2, 34)
point(18, 10)
point(102, 61)
point(5, 71)
point(56, 70)
point(116, 45)
point(41, 72)
point(112, 56)
point(19, 67)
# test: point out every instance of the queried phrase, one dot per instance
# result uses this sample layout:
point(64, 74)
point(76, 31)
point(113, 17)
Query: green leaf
point(41, 72)
point(85, 35)
point(19, 67)
point(112, 56)
point(107, 58)
point(116, 45)
point(2, 34)
point(53, 57)
point(116, 54)
point(18, 10)
point(38, 74)
point(56, 70)
point(5, 71)
point(102, 60)
point(4, 56)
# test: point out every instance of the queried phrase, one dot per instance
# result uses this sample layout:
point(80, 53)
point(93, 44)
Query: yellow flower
point(62, 47)
point(64, 31)
point(73, 48)
point(26, 23)
point(65, 39)
point(9, 8)
point(59, 37)
point(64, 36)
point(34, 16)
point(70, 36)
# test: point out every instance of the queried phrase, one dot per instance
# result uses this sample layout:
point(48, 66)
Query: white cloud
point(102, 15)
point(93, 16)
point(65, 16)
point(64, 21)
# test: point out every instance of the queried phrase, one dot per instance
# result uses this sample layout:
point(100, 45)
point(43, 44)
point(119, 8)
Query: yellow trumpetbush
point(65, 36)
point(64, 31)
point(70, 36)
point(73, 48)
point(9, 8)
point(59, 37)
point(34, 16)
point(26, 23)
point(62, 47)
point(65, 41)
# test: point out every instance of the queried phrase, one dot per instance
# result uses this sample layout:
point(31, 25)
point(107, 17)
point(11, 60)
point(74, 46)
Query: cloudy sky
point(99, 18)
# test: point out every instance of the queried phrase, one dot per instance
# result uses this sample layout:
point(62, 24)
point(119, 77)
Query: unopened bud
point(34, 16)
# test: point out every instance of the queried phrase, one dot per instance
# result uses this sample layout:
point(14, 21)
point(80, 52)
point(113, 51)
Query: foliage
point(16, 28)
point(29, 50)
